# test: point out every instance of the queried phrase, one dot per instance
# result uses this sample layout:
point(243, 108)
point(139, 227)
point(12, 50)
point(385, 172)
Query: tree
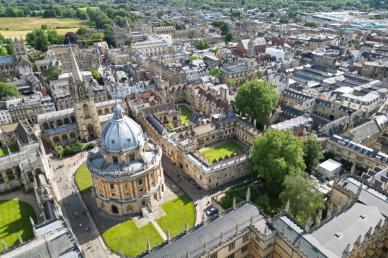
point(128, 42)
point(312, 153)
point(59, 151)
point(38, 39)
point(215, 72)
point(257, 99)
point(202, 44)
point(52, 73)
point(3, 51)
point(303, 197)
point(8, 90)
point(71, 38)
point(97, 76)
point(273, 156)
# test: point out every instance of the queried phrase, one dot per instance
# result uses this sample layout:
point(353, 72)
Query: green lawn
point(3, 152)
point(186, 114)
point(179, 211)
point(15, 221)
point(132, 241)
point(83, 179)
point(221, 150)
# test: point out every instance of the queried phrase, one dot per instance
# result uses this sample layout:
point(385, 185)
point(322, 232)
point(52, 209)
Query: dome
point(121, 133)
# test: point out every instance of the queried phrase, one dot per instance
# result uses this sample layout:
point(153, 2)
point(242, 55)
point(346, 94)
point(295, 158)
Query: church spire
point(74, 66)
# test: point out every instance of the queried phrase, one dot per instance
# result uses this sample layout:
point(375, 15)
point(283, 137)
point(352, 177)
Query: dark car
point(211, 211)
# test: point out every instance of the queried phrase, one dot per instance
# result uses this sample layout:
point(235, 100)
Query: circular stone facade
point(126, 169)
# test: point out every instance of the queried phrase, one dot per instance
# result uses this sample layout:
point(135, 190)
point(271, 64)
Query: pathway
point(159, 229)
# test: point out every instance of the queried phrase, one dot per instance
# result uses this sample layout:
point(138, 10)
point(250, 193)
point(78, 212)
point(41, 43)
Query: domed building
point(126, 169)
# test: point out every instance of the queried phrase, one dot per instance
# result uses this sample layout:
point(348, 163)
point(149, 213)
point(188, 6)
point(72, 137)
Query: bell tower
point(85, 109)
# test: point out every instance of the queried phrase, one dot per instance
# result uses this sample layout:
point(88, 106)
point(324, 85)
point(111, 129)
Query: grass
point(186, 114)
point(221, 150)
point(15, 221)
point(179, 211)
point(3, 152)
point(16, 27)
point(128, 239)
point(83, 179)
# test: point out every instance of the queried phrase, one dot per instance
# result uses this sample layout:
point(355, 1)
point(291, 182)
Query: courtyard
point(186, 114)
point(15, 222)
point(221, 150)
point(129, 235)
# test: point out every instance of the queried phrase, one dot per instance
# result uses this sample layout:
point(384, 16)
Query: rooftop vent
point(338, 235)
point(362, 216)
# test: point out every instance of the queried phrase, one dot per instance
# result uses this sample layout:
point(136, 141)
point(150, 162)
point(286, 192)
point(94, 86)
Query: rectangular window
point(231, 256)
point(10, 175)
point(245, 238)
point(112, 186)
point(115, 160)
point(213, 255)
point(244, 249)
point(140, 182)
point(231, 246)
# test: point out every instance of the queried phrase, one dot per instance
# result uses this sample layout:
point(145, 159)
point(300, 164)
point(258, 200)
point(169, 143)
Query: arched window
point(59, 123)
point(85, 109)
point(66, 121)
point(45, 126)
point(114, 209)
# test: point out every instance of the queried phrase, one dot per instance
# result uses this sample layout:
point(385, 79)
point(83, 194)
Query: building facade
point(127, 172)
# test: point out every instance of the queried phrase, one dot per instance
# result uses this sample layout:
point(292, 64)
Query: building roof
point(193, 243)
point(345, 228)
point(330, 165)
point(7, 59)
point(53, 240)
point(121, 133)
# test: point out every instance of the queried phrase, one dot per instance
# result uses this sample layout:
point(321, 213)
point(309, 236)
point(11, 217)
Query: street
point(73, 208)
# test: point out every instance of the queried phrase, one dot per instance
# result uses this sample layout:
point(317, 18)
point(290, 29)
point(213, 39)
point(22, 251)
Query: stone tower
point(18, 48)
point(251, 45)
point(84, 106)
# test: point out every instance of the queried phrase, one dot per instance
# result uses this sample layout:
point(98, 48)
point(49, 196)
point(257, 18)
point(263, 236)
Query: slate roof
point(7, 60)
point(194, 242)
point(54, 240)
point(368, 195)
point(345, 228)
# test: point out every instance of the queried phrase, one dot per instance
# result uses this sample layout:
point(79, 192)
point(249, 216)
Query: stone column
point(134, 188)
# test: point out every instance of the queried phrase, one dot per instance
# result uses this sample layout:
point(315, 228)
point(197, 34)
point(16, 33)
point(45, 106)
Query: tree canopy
point(215, 72)
point(257, 99)
point(302, 196)
point(312, 153)
point(273, 156)
point(41, 38)
point(52, 73)
point(97, 76)
point(8, 90)
point(202, 44)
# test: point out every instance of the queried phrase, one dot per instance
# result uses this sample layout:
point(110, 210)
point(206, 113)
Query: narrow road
point(74, 209)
